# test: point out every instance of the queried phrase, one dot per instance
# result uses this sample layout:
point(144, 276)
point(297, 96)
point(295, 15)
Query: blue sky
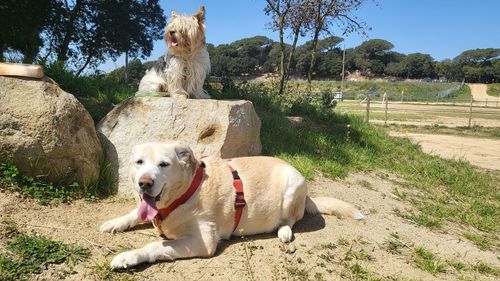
point(441, 28)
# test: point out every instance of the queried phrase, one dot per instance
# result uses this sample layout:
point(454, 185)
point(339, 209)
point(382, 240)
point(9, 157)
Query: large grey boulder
point(46, 131)
point(210, 127)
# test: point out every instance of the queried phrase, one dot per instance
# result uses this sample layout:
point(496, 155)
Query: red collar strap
point(165, 212)
point(239, 202)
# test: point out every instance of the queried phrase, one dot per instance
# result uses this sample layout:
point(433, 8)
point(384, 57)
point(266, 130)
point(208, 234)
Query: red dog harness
point(239, 202)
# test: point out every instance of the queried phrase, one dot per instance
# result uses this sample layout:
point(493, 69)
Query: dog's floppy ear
point(200, 16)
point(184, 154)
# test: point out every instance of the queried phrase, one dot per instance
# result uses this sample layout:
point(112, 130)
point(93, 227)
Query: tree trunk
point(125, 76)
point(1, 54)
point(87, 61)
point(292, 51)
point(313, 59)
point(282, 58)
point(62, 53)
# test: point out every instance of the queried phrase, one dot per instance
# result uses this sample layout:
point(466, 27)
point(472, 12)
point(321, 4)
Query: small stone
point(291, 249)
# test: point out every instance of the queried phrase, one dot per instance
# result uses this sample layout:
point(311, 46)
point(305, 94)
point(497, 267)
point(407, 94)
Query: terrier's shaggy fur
point(182, 71)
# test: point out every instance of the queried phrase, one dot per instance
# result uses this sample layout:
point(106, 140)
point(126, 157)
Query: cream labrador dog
point(192, 201)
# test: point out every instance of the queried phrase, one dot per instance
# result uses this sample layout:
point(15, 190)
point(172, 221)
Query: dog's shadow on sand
point(308, 223)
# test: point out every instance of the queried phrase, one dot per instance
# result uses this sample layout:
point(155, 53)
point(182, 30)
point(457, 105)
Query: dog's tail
point(332, 206)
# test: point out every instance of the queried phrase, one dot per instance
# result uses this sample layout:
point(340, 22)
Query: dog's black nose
point(171, 33)
point(146, 182)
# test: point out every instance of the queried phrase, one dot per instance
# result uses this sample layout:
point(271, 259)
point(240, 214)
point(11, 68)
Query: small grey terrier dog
point(182, 71)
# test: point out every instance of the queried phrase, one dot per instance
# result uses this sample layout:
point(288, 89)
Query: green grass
point(426, 261)
point(478, 240)
point(422, 219)
point(297, 273)
point(330, 246)
point(394, 245)
point(12, 180)
point(104, 272)
point(486, 269)
point(32, 254)
point(98, 93)
point(45, 193)
point(494, 89)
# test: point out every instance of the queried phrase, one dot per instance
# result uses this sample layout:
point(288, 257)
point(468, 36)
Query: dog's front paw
point(285, 234)
point(115, 225)
point(125, 260)
point(180, 94)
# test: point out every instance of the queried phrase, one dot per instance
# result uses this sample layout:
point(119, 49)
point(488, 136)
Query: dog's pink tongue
point(147, 210)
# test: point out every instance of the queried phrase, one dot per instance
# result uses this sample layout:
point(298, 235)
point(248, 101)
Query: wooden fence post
point(367, 116)
point(470, 112)
point(386, 103)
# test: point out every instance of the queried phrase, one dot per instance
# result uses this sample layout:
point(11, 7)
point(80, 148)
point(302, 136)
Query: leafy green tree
point(21, 25)
point(449, 69)
point(273, 60)
point(132, 26)
point(496, 70)
point(327, 50)
point(324, 15)
point(372, 56)
point(478, 57)
point(242, 57)
point(397, 69)
point(477, 64)
point(419, 66)
point(88, 32)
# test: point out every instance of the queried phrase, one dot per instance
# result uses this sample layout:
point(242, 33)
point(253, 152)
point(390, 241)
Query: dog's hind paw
point(125, 260)
point(115, 225)
point(359, 216)
point(285, 234)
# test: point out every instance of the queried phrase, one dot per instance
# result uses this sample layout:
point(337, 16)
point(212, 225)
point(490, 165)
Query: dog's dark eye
point(139, 162)
point(163, 164)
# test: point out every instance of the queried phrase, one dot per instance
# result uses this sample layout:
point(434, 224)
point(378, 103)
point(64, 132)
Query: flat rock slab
point(210, 127)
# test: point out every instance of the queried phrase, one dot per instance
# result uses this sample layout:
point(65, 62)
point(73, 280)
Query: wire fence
point(446, 114)
point(448, 96)
point(450, 91)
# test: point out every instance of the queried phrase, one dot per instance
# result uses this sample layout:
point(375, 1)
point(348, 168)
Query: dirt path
point(481, 152)
point(479, 93)
point(325, 248)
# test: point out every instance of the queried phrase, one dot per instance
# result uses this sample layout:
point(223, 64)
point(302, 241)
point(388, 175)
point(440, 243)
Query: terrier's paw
point(125, 260)
point(285, 234)
point(115, 225)
point(180, 94)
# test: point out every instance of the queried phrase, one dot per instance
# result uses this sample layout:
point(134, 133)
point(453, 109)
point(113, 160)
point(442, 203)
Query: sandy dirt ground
point(484, 153)
point(324, 248)
point(479, 93)
point(442, 121)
